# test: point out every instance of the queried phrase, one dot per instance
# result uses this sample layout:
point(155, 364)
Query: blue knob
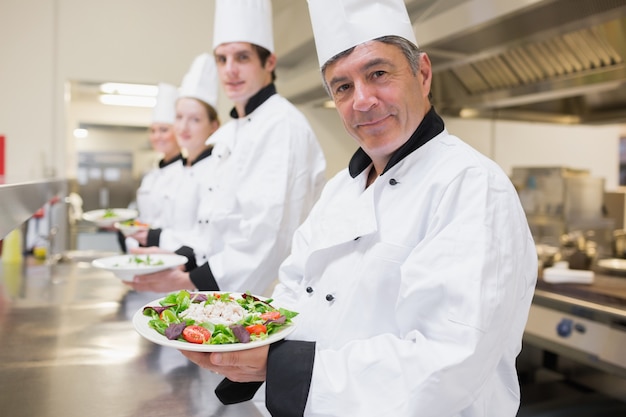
point(564, 328)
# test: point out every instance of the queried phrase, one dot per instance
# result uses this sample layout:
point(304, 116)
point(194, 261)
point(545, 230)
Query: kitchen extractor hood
point(559, 61)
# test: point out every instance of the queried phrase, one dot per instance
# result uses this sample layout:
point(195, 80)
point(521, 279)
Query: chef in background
point(414, 273)
point(196, 119)
point(160, 182)
point(269, 167)
point(157, 181)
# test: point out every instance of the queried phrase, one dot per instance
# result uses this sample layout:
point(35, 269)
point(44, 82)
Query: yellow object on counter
point(40, 252)
point(12, 245)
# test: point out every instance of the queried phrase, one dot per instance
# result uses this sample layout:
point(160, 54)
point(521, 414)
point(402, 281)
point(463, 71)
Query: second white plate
point(107, 218)
point(126, 267)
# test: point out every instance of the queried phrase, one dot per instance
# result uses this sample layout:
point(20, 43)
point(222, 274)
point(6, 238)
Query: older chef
point(195, 121)
point(414, 272)
point(269, 167)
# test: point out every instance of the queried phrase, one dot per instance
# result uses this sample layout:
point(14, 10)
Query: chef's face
point(241, 71)
point(379, 98)
point(193, 125)
point(163, 139)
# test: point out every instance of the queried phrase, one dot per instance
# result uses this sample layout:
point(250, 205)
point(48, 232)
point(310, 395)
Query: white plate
point(125, 268)
point(141, 325)
point(613, 264)
point(128, 230)
point(121, 214)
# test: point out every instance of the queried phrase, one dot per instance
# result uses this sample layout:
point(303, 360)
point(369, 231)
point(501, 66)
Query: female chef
point(159, 182)
point(195, 121)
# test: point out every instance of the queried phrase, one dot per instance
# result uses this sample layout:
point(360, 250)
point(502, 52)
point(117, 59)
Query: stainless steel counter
point(68, 348)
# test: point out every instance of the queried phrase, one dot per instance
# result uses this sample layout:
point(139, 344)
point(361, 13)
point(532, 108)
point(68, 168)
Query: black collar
point(205, 154)
point(256, 100)
point(163, 163)
point(431, 126)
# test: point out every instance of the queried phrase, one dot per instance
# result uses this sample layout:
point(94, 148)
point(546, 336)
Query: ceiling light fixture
point(130, 101)
point(146, 90)
point(80, 133)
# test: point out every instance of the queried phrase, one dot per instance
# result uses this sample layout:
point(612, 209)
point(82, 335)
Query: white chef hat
point(164, 110)
point(243, 21)
point(201, 81)
point(339, 25)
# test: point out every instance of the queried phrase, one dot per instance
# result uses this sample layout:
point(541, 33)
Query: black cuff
point(229, 392)
point(154, 237)
point(188, 253)
point(288, 378)
point(203, 279)
point(121, 239)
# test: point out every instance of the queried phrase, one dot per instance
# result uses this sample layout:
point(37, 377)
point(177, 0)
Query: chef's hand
point(240, 366)
point(140, 236)
point(173, 279)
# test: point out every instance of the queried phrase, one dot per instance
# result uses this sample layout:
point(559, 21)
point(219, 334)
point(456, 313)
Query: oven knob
point(580, 328)
point(564, 328)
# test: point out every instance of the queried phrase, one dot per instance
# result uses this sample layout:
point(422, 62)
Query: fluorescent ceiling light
point(81, 133)
point(131, 101)
point(130, 89)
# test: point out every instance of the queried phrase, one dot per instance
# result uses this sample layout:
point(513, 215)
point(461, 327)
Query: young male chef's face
point(192, 125)
point(241, 72)
point(379, 98)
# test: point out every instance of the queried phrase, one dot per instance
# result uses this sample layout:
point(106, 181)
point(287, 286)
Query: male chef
point(413, 274)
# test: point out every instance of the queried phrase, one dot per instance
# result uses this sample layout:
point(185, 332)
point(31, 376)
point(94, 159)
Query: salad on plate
point(213, 321)
point(129, 227)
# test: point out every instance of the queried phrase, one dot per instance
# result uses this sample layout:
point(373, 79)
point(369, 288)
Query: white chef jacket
point(269, 170)
point(181, 208)
point(416, 289)
point(156, 190)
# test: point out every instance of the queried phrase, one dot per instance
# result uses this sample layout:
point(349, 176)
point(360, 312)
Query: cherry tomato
point(196, 334)
point(256, 329)
point(270, 315)
point(220, 296)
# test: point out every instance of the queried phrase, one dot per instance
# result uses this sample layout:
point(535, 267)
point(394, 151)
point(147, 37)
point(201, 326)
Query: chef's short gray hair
point(408, 48)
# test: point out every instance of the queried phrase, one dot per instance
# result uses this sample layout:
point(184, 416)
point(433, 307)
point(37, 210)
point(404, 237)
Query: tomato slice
point(270, 315)
point(196, 334)
point(256, 329)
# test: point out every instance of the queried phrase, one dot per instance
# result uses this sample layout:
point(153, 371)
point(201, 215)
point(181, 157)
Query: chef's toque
point(164, 110)
point(243, 21)
point(201, 81)
point(339, 25)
